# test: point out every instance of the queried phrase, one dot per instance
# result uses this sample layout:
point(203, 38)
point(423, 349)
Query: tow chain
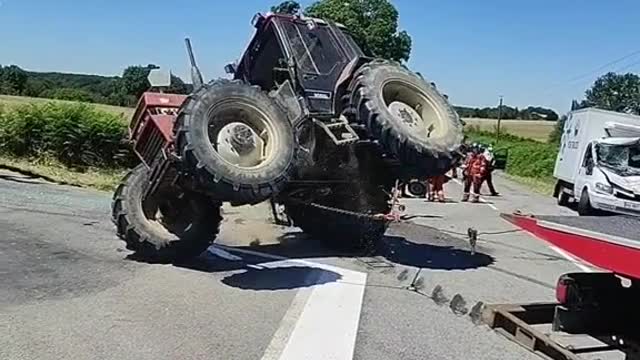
point(396, 214)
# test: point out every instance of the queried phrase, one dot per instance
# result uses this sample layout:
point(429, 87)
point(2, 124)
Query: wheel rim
point(417, 189)
point(169, 214)
point(241, 134)
point(414, 110)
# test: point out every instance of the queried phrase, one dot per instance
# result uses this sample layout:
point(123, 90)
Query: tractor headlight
point(604, 188)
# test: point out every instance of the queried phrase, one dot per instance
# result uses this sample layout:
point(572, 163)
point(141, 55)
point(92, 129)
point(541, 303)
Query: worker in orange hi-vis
point(475, 170)
point(436, 188)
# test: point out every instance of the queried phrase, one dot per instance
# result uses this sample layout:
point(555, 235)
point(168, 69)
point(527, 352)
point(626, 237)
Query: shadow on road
point(405, 244)
point(281, 278)
point(260, 273)
point(438, 257)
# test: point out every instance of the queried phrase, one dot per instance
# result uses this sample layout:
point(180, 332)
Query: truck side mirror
point(257, 20)
point(230, 68)
point(589, 167)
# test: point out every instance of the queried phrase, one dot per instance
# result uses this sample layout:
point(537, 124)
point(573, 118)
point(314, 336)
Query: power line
point(628, 66)
point(604, 66)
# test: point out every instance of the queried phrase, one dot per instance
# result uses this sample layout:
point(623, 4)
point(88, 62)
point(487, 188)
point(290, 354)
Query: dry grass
point(10, 101)
point(51, 170)
point(532, 129)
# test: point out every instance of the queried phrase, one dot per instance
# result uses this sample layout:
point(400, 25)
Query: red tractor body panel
point(151, 128)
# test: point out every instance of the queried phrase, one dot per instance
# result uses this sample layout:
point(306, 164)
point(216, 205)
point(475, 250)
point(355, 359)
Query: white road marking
point(323, 320)
point(287, 324)
point(482, 200)
point(489, 204)
point(572, 259)
point(217, 251)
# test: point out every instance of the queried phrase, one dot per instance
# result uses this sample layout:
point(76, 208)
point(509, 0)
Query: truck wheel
point(166, 226)
point(409, 117)
point(562, 197)
point(584, 205)
point(237, 142)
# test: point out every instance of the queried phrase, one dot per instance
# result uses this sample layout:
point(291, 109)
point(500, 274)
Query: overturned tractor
point(308, 122)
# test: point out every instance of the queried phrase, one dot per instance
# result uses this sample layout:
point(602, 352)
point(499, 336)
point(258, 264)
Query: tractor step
point(340, 132)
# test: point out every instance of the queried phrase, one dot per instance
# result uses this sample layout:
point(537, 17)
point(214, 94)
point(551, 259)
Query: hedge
point(527, 158)
point(77, 135)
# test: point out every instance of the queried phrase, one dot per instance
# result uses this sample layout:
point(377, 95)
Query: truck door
point(585, 173)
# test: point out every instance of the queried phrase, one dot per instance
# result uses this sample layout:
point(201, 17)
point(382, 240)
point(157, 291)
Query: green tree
point(35, 87)
point(13, 80)
point(615, 92)
point(134, 80)
point(373, 24)
point(178, 86)
point(556, 135)
point(286, 7)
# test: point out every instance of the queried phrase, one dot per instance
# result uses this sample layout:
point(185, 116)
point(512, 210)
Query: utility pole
point(499, 120)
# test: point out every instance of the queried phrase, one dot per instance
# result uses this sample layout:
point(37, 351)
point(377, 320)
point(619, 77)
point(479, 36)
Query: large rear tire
point(166, 226)
point(409, 117)
point(236, 141)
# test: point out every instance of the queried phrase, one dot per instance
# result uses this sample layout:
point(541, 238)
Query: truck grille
point(150, 143)
point(627, 197)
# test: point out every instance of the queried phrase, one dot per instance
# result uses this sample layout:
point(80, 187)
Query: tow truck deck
point(596, 313)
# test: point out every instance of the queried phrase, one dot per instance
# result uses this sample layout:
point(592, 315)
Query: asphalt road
point(68, 291)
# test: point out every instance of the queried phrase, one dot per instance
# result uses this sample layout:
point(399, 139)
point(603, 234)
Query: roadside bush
point(527, 158)
point(77, 135)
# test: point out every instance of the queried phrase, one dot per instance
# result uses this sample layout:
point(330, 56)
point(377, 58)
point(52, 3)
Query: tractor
point(304, 120)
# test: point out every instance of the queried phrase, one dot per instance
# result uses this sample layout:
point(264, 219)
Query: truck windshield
point(623, 159)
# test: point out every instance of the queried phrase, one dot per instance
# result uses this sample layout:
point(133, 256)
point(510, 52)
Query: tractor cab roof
point(311, 52)
point(260, 20)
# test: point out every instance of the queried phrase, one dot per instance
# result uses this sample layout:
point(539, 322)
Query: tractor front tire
point(408, 116)
point(222, 170)
point(190, 222)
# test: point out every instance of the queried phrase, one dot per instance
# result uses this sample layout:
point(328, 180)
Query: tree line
point(121, 90)
point(508, 112)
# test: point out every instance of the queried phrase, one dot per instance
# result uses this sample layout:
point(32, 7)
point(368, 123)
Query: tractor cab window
point(266, 61)
point(313, 47)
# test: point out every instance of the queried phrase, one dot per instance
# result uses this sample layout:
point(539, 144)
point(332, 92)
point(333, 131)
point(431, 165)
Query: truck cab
point(598, 165)
point(610, 175)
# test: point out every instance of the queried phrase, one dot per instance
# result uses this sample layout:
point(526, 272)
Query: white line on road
point(323, 320)
point(482, 200)
point(569, 257)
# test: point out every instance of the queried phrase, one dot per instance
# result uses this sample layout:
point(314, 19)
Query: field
point(537, 130)
point(22, 100)
point(533, 129)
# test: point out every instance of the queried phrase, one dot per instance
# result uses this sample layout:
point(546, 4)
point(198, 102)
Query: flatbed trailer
point(596, 313)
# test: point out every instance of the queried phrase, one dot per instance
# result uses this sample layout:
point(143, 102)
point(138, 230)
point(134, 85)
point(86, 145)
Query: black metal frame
point(319, 91)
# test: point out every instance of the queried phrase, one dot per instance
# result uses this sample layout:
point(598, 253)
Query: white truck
point(598, 165)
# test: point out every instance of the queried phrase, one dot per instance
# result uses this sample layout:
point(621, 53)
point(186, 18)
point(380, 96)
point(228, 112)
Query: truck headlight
point(604, 188)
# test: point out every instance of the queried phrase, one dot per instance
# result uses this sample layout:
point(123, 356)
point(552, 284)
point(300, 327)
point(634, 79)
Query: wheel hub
point(408, 115)
point(240, 145)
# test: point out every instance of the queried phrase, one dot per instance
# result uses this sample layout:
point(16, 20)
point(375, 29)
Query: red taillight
point(561, 290)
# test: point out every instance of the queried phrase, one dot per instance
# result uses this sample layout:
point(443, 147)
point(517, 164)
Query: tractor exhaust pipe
point(196, 76)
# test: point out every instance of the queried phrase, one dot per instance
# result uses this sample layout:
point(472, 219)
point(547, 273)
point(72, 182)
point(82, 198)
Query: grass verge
point(542, 186)
point(54, 171)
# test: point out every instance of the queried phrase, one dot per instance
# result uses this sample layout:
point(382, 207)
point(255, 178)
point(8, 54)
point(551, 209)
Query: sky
point(540, 52)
